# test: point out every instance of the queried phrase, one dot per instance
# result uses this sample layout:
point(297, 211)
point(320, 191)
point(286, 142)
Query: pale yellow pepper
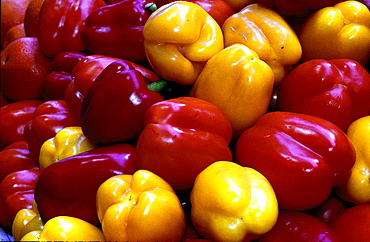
point(179, 38)
point(239, 83)
point(25, 221)
point(67, 142)
point(268, 34)
point(65, 228)
point(357, 188)
point(232, 203)
point(338, 32)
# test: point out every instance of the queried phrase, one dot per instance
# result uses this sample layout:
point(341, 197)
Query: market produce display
point(185, 121)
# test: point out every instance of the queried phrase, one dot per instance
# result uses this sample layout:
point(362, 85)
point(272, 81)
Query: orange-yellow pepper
point(232, 203)
point(267, 33)
point(140, 207)
point(67, 142)
point(239, 83)
point(338, 32)
point(357, 188)
point(65, 228)
point(25, 221)
point(179, 38)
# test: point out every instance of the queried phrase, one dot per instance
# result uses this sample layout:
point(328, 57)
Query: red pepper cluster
point(83, 63)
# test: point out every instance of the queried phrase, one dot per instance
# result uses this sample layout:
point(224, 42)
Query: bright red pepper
point(47, 120)
point(337, 90)
point(329, 209)
point(182, 136)
point(109, 32)
point(14, 117)
point(68, 187)
point(298, 226)
point(302, 156)
point(61, 22)
point(16, 157)
point(16, 193)
point(123, 89)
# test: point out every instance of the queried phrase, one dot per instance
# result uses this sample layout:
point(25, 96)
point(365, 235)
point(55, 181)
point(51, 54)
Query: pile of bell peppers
point(186, 121)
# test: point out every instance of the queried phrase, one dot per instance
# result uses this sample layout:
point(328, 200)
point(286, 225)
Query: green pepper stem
point(151, 7)
point(157, 86)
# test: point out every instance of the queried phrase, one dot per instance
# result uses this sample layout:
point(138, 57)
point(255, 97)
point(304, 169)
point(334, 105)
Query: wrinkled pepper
point(68, 187)
point(179, 38)
point(239, 83)
point(243, 205)
point(356, 189)
point(302, 156)
point(337, 32)
point(67, 142)
point(123, 89)
point(128, 203)
point(337, 90)
point(182, 136)
point(268, 34)
point(66, 228)
point(60, 24)
point(47, 120)
point(26, 220)
point(16, 193)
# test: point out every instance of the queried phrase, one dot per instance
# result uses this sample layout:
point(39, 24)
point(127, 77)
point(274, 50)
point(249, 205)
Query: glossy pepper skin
point(47, 120)
point(109, 32)
point(268, 34)
point(61, 22)
point(66, 228)
point(356, 189)
point(128, 203)
point(114, 107)
point(337, 90)
point(69, 141)
point(178, 45)
point(14, 117)
point(26, 220)
point(237, 82)
point(299, 226)
point(337, 32)
point(182, 136)
point(254, 208)
point(302, 156)
point(84, 173)
point(17, 192)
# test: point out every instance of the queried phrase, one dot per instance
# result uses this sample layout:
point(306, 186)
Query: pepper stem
point(151, 7)
point(157, 86)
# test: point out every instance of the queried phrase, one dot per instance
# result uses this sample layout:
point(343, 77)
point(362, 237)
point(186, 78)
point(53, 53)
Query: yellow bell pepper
point(179, 38)
point(338, 32)
point(140, 207)
point(239, 83)
point(268, 34)
point(65, 228)
point(232, 203)
point(357, 188)
point(67, 142)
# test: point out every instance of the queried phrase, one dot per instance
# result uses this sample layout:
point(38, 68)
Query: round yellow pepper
point(25, 221)
point(357, 188)
point(65, 228)
point(179, 38)
point(338, 32)
point(239, 83)
point(268, 34)
point(140, 207)
point(232, 203)
point(67, 142)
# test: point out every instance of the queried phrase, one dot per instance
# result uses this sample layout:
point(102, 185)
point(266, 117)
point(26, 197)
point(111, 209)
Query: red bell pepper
point(68, 187)
point(109, 32)
point(67, 60)
point(337, 90)
point(182, 136)
point(47, 120)
point(113, 108)
point(61, 22)
point(353, 223)
point(16, 193)
point(16, 157)
point(302, 156)
point(298, 226)
point(329, 209)
point(14, 117)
